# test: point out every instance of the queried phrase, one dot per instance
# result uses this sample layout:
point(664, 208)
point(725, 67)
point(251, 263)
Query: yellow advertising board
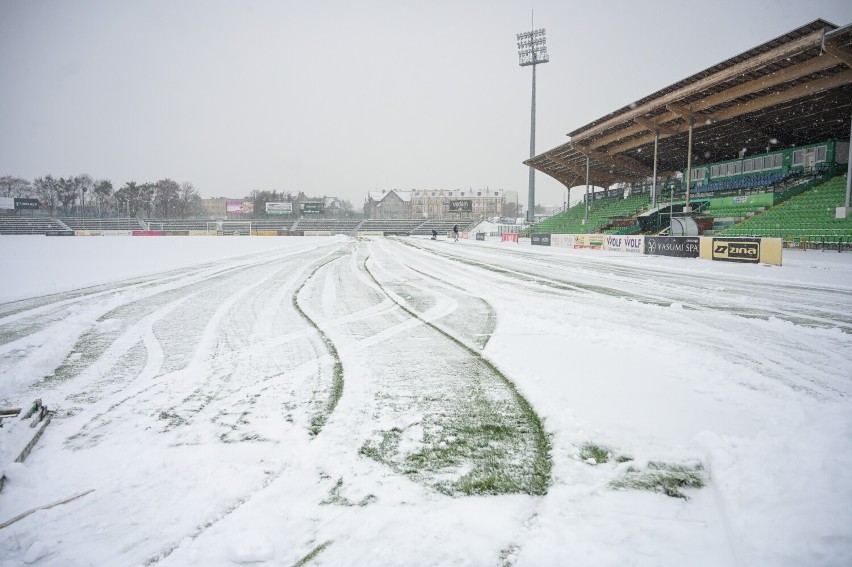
point(744, 250)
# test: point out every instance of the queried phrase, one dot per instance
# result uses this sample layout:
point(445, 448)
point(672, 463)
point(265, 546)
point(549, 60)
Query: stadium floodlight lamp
point(532, 48)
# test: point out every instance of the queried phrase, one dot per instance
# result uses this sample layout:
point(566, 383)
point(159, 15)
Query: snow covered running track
point(333, 401)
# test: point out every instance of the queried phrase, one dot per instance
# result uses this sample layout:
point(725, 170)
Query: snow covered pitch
point(333, 401)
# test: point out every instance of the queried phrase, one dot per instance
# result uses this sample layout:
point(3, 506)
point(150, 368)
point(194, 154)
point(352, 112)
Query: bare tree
point(166, 197)
point(103, 190)
point(67, 193)
point(83, 184)
point(47, 191)
point(189, 202)
point(145, 198)
point(15, 187)
point(127, 198)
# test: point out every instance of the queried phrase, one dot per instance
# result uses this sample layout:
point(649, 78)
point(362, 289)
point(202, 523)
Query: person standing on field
point(456, 233)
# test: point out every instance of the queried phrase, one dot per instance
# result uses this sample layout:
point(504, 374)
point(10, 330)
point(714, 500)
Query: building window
point(821, 153)
point(799, 157)
point(748, 165)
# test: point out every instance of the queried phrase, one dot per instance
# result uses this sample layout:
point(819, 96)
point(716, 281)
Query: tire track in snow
point(492, 425)
point(142, 334)
point(320, 418)
point(466, 314)
point(218, 382)
point(811, 308)
point(780, 368)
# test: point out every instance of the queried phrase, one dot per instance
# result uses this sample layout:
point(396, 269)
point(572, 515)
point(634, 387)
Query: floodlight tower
point(532, 51)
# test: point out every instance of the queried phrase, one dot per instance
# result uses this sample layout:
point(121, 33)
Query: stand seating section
point(441, 226)
point(601, 213)
point(808, 215)
point(77, 223)
point(744, 182)
point(29, 225)
point(332, 225)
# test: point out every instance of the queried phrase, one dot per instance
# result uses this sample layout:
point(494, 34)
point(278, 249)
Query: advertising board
point(240, 207)
point(563, 240)
point(312, 207)
point(461, 206)
point(624, 243)
point(26, 204)
point(480, 236)
point(736, 250)
point(279, 208)
point(7, 203)
point(678, 246)
point(540, 239)
point(594, 241)
point(509, 237)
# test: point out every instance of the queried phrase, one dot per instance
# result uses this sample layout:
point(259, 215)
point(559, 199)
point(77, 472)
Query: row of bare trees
point(81, 194)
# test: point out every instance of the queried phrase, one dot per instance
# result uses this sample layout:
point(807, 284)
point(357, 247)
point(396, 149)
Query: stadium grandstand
point(439, 226)
point(756, 145)
point(334, 226)
point(31, 225)
point(85, 223)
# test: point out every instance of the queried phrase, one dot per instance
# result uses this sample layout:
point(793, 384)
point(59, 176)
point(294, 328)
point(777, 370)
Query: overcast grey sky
point(341, 98)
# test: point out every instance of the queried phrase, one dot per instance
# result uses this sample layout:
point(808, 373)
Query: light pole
point(532, 51)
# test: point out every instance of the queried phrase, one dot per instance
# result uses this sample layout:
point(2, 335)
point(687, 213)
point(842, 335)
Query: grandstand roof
point(792, 90)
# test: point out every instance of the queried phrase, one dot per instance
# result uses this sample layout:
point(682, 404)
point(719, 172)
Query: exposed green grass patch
point(310, 556)
point(336, 498)
point(598, 453)
point(669, 479)
point(173, 419)
point(477, 450)
point(509, 555)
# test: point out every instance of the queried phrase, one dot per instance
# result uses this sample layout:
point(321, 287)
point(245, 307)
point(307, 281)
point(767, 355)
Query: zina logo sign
point(736, 250)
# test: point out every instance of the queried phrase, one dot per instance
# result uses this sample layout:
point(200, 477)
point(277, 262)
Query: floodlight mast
point(532, 51)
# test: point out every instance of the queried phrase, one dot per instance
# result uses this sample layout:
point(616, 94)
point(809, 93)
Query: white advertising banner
point(625, 243)
point(279, 208)
point(7, 203)
point(563, 240)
